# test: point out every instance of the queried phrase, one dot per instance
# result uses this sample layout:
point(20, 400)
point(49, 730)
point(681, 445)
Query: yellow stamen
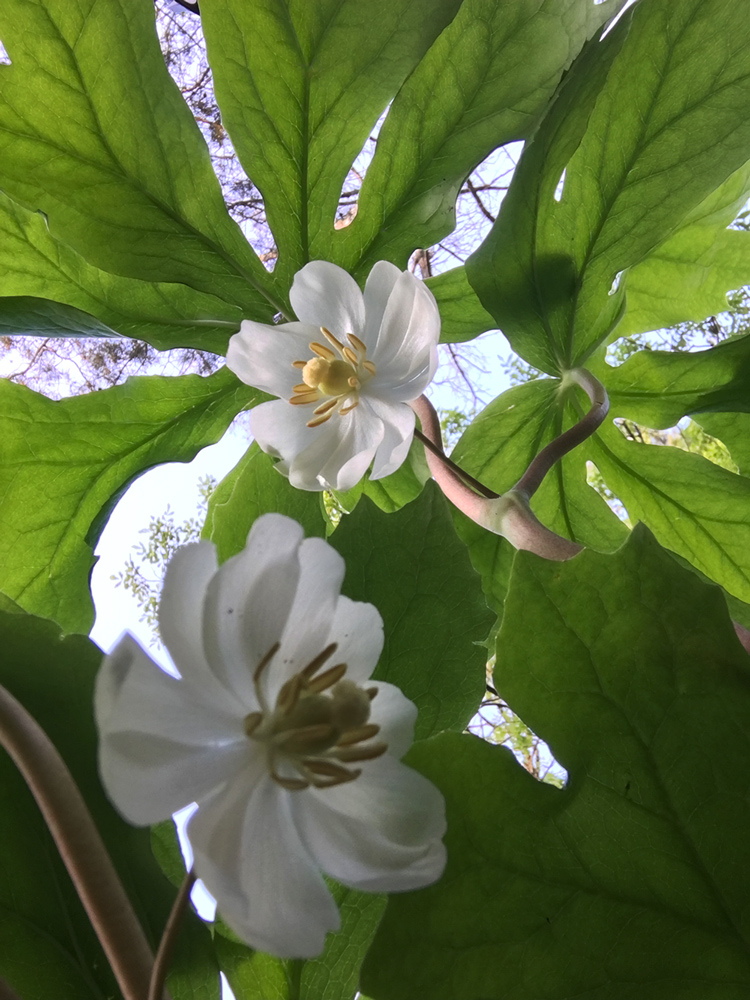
point(301, 387)
point(349, 408)
point(350, 356)
point(328, 678)
point(330, 337)
point(369, 366)
point(330, 404)
point(365, 732)
point(317, 421)
point(311, 396)
point(298, 364)
point(322, 351)
point(356, 343)
point(353, 754)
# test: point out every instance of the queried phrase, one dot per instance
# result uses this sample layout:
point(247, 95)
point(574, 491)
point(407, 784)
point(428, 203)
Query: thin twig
point(531, 480)
point(168, 938)
point(80, 846)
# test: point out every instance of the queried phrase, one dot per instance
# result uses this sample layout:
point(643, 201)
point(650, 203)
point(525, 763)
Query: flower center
point(317, 726)
point(333, 378)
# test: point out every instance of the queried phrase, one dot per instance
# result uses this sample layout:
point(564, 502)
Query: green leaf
point(687, 277)
point(695, 508)
point(47, 946)
point(251, 489)
point(500, 443)
point(64, 464)
point(676, 79)
point(658, 388)
point(301, 85)
point(412, 566)
point(95, 133)
point(333, 976)
point(35, 264)
point(475, 90)
point(394, 491)
point(462, 316)
point(733, 430)
point(631, 883)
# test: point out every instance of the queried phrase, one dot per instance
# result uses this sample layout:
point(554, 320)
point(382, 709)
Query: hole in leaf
point(560, 186)
point(616, 283)
point(4, 57)
point(687, 435)
point(596, 481)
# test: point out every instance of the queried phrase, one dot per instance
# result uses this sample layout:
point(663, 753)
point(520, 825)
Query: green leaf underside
point(631, 883)
point(94, 132)
point(251, 489)
point(332, 976)
point(462, 315)
point(64, 464)
point(35, 264)
point(475, 90)
point(300, 87)
point(678, 85)
point(733, 430)
point(693, 506)
point(47, 946)
point(501, 442)
point(658, 388)
point(415, 570)
point(392, 492)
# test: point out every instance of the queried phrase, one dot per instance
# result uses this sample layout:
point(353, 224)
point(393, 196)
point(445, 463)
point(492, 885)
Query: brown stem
point(531, 480)
point(437, 450)
point(80, 846)
point(168, 938)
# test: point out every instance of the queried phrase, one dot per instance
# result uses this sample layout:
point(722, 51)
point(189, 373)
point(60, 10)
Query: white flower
point(344, 374)
point(276, 731)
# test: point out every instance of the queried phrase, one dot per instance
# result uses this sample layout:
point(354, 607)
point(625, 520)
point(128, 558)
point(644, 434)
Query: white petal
point(266, 885)
point(161, 746)
point(337, 454)
point(396, 715)
point(357, 630)
point(405, 352)
point(398, 423)
point(381, 832)
point(323, 294)
point(249, 600)
point(188, 575)
point(378, 287)
point(262, 355)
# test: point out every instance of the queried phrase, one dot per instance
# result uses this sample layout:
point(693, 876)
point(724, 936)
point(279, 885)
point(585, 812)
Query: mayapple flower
point(344, 374)
point(275, 729)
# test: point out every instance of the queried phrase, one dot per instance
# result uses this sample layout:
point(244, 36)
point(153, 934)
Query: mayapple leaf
point(333, 976)
point(413, 567)
point(252, 488)
point(462, 315)
point(658, 388)
point(95, 134)
point(301, 84)
point(33, 264)
point(733, 430)
point(630, 883)
point(688, 277)
point(47, 946)
point(675, 78)
point(65, 463)
point(694, 507)
point(475, 90)
point(392, 492)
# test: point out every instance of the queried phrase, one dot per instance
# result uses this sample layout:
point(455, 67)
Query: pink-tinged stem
point(80, 846)
point(508, 515)
point(743, 635)
point(168, 938)
point(531, 480)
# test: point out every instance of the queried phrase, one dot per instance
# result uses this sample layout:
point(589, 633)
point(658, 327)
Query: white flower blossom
point(276, 731)
point(344, 373)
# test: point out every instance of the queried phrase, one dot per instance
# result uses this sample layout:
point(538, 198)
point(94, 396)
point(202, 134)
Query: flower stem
point(432, 439)
point(169, 937)
point(531, 480)
point(80, 846)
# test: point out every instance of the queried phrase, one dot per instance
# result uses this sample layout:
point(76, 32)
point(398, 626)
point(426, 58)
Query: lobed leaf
point(301, 85)
point(96, 135)
point(588, 201)
point(64, 464)
point(475, 90)
point(630, 883)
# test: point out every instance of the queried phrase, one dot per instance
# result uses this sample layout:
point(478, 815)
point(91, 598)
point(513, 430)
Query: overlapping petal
point(244, 637)
point(356, 420)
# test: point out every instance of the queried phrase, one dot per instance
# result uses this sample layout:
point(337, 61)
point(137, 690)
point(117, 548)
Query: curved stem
point(437, 450)
point(80, 846)
point(168, 938)
point(6, 992)
point(531, 480)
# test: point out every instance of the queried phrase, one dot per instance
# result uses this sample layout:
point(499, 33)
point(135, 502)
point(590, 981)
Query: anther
point(289, 694)
point(322, 351)
point(291, 784)
point(265, 661)
point(301, 387)
point(311, 396)
point(299, 364)
point(329, 404)
point(350, 356)
point(314, 665)
point(359, 734)
point(333, 340)
point(356, 343)
point(350, 754)
point(371, 692)
point(369, 366)
point(328, 678)
point(252, 721)
point(336, 773)
point(321, 419)
point(307, 739)
point(349, 408)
